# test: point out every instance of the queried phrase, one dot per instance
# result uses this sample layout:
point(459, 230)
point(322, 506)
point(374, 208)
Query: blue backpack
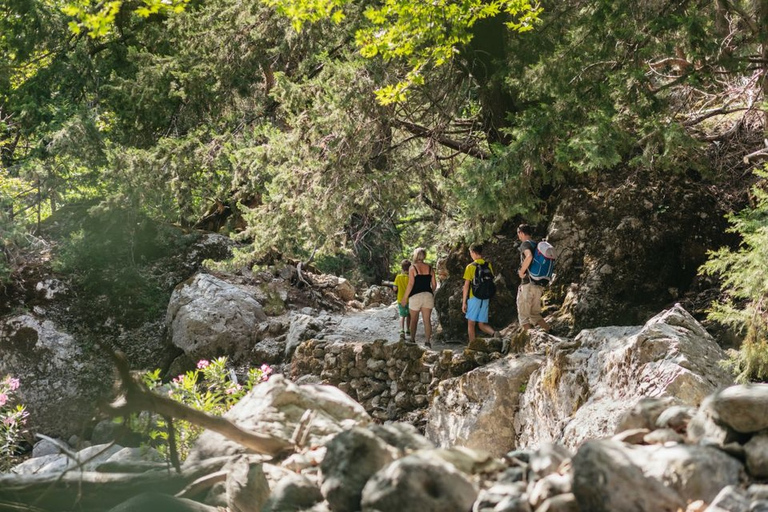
point(543, 263)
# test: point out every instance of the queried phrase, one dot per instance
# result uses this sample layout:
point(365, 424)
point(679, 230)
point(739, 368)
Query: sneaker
point(407, 333)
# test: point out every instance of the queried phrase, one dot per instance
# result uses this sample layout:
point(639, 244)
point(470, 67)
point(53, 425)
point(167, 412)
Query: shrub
point(211, 388)
point(13, 417)
point(745, 286)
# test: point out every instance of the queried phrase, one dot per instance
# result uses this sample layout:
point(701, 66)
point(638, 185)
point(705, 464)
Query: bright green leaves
point(422, 34)
point(745, 285)
point(309, 11)
point(97, 19)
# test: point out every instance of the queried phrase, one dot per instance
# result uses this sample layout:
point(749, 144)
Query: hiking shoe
point(407, 333)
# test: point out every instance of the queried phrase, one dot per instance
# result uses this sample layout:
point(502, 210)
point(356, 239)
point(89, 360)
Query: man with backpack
point(478, 290)
point(531, 288)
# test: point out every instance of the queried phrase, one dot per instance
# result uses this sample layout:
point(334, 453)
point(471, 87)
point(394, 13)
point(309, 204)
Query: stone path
point(381, 323)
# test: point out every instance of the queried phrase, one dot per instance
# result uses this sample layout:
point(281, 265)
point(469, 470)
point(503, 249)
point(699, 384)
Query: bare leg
point(487, 329)
point(544, 325)
point(471, 330)
point(414, 324)
point(426, 315)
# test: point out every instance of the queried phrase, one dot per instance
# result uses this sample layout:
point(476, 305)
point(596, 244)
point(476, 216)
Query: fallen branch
point(136, 398)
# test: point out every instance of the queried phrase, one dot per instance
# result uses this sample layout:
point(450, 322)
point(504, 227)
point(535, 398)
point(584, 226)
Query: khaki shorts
point(421, 301)
point(529, 304)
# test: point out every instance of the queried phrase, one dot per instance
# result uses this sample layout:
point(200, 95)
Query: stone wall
point(389, 379)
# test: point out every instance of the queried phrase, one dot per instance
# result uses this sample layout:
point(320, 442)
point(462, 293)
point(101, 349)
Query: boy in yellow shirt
point(401, 283)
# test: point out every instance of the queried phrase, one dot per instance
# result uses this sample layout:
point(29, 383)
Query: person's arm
point(526, 263)
point(411, 277)
point(434, 281)
point(465, 296)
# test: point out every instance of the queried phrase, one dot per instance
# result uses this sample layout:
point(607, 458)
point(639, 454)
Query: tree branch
point(422, 131)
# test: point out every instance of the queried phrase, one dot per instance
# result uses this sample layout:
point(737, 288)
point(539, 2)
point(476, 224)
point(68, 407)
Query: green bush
point(209, 388)
point(744, 285)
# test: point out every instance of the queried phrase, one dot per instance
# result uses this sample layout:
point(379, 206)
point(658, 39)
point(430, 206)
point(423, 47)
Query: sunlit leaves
point(422, 33)
point(98, 19)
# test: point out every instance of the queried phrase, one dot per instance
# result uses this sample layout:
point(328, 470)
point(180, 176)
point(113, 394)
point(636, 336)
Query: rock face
point(586, 385)
point(581, 389)
point(59, 381)
point(488, 398)
point(208, 317)
point(276, 408)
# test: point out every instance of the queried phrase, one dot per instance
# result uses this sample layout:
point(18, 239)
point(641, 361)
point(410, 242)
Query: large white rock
point(276, 407)
point(208, 317)
point(476, 409)
point(584, 388)
point(59, 381)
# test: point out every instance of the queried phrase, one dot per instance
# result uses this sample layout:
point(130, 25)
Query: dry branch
point(136, 398)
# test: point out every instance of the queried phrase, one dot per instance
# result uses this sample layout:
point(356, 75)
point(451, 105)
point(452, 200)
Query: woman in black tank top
point(419, 295)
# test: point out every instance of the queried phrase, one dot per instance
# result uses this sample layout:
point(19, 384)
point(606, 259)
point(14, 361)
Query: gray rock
point(488, 400)
point(610, 476)
point(743, 408)
point(276, 407)
point(730, 499)
point(676, 418)
point(46, 447)
point(561, 503)
point(246, 486)
point(352, 458)
point(59, 382)
point(585, 386)
point(207, 316)
point(413, 484)
point(292, 493)
point(403, 436)
point(156, 502)
point(757, 456)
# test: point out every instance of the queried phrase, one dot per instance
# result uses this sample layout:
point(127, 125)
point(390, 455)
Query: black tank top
point(421, 282)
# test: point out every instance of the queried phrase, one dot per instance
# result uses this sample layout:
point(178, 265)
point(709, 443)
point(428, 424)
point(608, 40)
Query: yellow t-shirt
point(469, 272)
point(401, 281)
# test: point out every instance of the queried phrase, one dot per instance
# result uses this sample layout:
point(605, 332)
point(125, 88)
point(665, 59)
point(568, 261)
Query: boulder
point(587, 386)
point(477, 409)
point(609, 476)
point(353, 457)
point(208, 317)
point(416, 484)
point(276, 407)
point(59, 382)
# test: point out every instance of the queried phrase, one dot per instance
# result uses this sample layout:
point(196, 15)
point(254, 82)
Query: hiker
point(475, 308)
point(400, 285)
point(419, 294)
point(529, 292)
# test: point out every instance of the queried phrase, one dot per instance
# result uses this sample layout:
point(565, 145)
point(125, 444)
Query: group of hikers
point(416, 285)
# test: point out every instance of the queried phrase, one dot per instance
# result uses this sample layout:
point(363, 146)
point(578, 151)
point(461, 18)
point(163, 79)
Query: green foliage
point(424, 34)
point(209, 388)
point(745, 285)
point(110, 255)
point(12, 419)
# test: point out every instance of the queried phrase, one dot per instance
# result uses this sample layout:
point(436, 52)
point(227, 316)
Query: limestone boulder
point(276, 407)
point(609, 476)
point(59, 381)
point(477, 409)
point(208, 317)
point(586, 386)
point(418, 484)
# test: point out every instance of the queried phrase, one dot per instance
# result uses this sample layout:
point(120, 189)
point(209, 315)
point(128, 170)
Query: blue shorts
point(477, 310)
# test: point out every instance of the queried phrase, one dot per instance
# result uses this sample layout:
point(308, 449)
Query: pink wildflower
point(10, 421)
point(203, 363)
point(234, 389)
point(3, 399)
point(266, 369)
point(13, 383)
